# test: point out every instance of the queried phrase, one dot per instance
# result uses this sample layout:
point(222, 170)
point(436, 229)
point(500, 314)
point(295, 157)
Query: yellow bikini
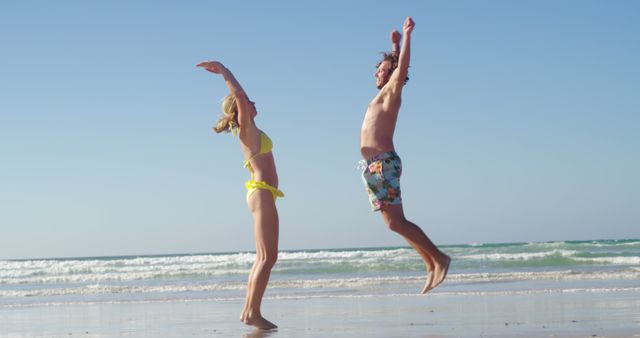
point(252, 185)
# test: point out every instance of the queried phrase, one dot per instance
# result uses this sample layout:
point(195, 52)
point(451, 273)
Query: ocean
point(598, 266)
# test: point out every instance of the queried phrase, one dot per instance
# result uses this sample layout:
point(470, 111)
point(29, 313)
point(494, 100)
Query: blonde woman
point(262, 189)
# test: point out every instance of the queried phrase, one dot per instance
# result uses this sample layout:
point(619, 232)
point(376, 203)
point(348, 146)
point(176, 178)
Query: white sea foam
point(327, 284)
point(347, 262)
point(143, 268)
point(351, 254)
point(435, 293)
point(535, 291)
point(523, 256)
point(619, 260)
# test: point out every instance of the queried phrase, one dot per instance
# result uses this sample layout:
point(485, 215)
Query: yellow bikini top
point(265, 147)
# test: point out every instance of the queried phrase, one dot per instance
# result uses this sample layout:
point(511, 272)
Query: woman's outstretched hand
point(212, 66)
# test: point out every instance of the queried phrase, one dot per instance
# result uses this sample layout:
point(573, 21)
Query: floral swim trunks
point(381, 177)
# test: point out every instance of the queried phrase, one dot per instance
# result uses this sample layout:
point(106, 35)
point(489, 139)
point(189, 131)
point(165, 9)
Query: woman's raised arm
point(245, 109)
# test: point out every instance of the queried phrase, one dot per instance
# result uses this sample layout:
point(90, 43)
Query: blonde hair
point(228, 121)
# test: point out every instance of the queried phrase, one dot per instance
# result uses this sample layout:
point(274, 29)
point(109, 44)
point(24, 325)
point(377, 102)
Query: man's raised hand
point(408, 25)
point(395, 36)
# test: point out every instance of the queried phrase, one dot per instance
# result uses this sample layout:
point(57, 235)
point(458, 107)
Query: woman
point(262, 188)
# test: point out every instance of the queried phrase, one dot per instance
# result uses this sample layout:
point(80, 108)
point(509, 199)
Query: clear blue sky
point(521, 122)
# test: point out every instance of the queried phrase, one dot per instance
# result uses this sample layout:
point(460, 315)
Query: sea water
point(598, 266)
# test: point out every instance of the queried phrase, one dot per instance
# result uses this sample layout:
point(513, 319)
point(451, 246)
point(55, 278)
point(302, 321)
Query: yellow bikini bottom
point(255, 185)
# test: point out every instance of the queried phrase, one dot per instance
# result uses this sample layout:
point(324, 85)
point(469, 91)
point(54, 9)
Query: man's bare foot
point(258, 321)
point(441, 270)
point(438, 274)
point(427, 285)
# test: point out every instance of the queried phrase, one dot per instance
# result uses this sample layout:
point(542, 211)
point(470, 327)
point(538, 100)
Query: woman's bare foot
point(257, 321)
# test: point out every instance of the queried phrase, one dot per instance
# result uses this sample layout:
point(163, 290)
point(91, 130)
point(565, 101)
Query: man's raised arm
point(400, 74)
point(395, 42)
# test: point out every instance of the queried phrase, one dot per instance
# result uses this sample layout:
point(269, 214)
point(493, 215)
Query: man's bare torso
point(376, 135)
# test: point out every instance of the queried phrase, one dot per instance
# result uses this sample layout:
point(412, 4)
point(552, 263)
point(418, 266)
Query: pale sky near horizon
point(521, 122)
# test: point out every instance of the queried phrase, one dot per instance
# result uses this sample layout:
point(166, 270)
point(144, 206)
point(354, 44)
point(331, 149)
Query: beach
point(564, 314)
point(550, 289)
point(142, 140)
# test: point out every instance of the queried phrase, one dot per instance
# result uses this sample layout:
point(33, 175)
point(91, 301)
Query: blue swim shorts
point(381, 177)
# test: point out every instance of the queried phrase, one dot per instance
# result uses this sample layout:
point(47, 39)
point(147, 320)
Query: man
point(383, 167)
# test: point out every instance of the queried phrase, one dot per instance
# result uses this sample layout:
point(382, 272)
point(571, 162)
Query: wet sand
point(552, 314)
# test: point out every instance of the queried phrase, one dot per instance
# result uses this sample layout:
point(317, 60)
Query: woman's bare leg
point(243, 315)
point(265, 217)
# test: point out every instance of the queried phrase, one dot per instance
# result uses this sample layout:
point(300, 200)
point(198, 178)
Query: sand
point(538, 314)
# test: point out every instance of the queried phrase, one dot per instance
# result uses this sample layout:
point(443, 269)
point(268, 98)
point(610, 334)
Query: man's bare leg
point(436, 260)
